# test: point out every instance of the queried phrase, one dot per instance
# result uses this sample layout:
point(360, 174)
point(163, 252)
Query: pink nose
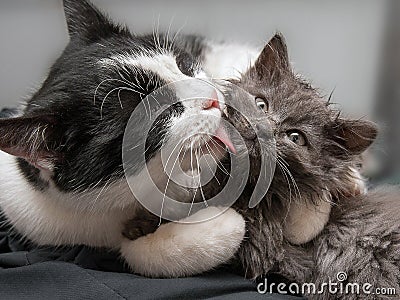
point(212, 103)
point(208, 104)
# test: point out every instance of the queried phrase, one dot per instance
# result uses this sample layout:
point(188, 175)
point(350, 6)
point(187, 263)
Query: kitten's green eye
point(262, 104)
point(297, 137)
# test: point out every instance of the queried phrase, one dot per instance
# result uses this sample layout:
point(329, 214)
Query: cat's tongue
point(221, 135)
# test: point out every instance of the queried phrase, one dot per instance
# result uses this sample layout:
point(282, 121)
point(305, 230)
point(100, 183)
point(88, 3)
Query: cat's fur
point(357, 233)
point(61, 172)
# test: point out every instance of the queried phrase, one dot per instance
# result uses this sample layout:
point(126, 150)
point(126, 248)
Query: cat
point(62, 176)
point(317, 218)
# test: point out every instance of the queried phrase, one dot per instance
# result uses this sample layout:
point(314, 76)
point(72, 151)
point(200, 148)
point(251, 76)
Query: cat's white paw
point(184, 249)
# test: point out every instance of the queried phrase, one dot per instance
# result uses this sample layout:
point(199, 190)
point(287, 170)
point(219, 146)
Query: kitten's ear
point(31, 138)
point(355, 136)
point(86, 22)
point(274, 58)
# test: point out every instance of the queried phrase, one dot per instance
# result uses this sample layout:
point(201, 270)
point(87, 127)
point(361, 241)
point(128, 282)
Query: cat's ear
point(354, 136)
point(34, 139)
point(87, 22)
point(273, 60)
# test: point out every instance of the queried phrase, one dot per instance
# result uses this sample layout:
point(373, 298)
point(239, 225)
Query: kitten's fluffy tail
point(178, 249)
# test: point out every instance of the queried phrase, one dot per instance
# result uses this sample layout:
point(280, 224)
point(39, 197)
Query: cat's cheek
point(178, 249)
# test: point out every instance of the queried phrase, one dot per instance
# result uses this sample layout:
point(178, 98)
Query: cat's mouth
point(216, 144)
point(222, 136)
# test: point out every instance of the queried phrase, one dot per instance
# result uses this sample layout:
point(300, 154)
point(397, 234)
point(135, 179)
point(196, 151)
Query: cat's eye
point(262, 104)
point(186, 64)
point(297, 137)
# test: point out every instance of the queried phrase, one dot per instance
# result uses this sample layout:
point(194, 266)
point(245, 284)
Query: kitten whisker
point(290, 191)
point(297, 190)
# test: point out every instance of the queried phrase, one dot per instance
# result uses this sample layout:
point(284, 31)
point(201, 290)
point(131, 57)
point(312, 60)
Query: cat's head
point(70, 133)
point(317, 149)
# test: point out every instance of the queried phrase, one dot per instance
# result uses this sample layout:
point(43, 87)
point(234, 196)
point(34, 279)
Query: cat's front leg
point(184, 249)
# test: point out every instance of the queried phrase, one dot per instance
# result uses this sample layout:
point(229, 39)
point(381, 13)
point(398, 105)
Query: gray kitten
point(316, 219)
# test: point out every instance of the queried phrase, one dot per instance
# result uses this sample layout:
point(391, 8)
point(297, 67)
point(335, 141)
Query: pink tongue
point(221, 135)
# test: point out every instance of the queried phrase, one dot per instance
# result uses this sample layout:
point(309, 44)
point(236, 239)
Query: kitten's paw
point(184, 249)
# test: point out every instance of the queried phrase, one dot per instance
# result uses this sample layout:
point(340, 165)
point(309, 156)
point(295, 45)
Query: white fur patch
point(94, 218)
point(178, 249)
point(164, 65)
point(224, 61)
point(305, 221)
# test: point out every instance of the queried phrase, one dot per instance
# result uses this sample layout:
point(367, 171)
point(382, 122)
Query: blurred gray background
point(342, 45)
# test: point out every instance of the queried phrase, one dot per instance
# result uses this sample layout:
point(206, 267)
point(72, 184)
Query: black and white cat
point(62, 179)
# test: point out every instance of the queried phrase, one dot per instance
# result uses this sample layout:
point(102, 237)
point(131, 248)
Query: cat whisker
point(199, 183)
point(166, 40)
point(119, 98)
point(208, 163)
point(108, 80)
point(158, 33)
point(218, 163)
point(168, 180)
point(169, 44)
point(113, 90)
point(148, 103)
point(191, 167)
point(177, 33)
point(294, 182)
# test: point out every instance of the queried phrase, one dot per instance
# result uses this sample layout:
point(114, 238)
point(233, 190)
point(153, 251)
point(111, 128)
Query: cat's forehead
point(161, 63)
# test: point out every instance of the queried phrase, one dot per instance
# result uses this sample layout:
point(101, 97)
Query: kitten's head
point(317, 149)
point(70, 133)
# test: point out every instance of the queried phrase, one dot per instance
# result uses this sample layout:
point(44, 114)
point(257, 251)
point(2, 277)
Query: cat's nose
point(212, 102)
point(208, 104)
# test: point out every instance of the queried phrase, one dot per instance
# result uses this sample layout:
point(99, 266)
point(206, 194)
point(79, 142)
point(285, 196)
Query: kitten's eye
point(262, 104)
point(297, 137)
